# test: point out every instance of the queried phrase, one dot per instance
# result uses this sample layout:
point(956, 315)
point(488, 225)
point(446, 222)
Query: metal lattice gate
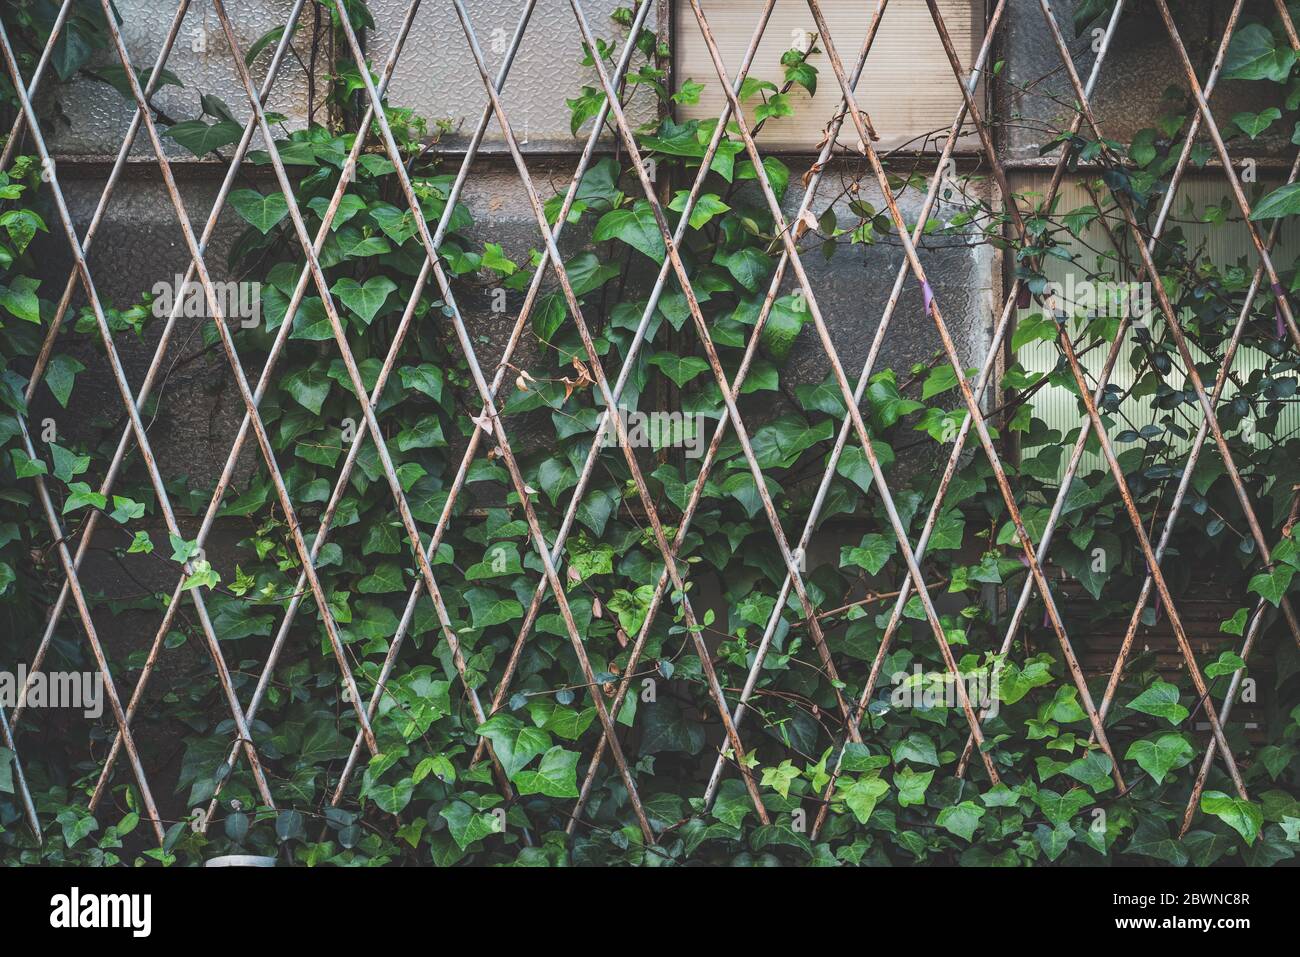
point(490, 432)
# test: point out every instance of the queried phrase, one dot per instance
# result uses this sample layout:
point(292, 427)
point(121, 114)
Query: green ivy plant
point(423, 799)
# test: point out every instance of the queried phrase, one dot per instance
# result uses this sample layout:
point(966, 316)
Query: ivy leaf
point(182, 550)
point(349, 205)
point(1093, 769)
point(1227, 664)
point(1242, 816)
point(77, 825)
point(586, 560)
point(261, 212)
point(365, 300)
point(886, 402)
point(556, 777)
point(309, 388)
point(115, 76)
point(1236, 625)
point(392, 798)
point(19, 299)
point(468, 826)
point(803, 73)
point(514, 743)
point(439, 766)
point(636, 227)
point(1059, 808)
point(1064, 706)
point(487, 609)
point(426, 378)
point(25, 467)
point(750, 267)
point(494, 258)
point(916, 747)
point(61, 374)
point(140, 544)
point(861, 796)
point(386, 579)
point(568, 723)
point(732, 805)
point(1254, 54)
point(961, 819)
point(587, 273)
point(1253, 124)
point(707, 205)
point(71, 50)
point(399, 225)
point(202, 576)
point(777, 105)
point(912, 786)
point(125, 509)
point(549, 316)
point(1151, 839)
point(67, 464)
point(1053, 840)
point(681, 369)
point(1272, 585)
point(501, 559)
point(939, 380)
point(1158, 756)
point(81, 496)
point(871, 553)
point(780, 777)
point(1160, 701)
point(201, 138)
point(266, 39)
point(1283, 201)
point(856, 467)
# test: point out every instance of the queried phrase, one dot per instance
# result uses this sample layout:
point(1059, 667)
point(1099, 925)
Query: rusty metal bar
point(1171, 319)
point(507, 454)
point(154, 368)
point(24, 793)
point(47, 349)
point(1112, 357)
point(318, 541)
point(65, 557)
point(999, 334)
point(214, 648)
point(869, 365)
point(597, 442)
point(1067, 346)
point(502, 367)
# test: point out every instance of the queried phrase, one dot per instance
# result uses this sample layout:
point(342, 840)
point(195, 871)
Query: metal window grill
point(490, 432)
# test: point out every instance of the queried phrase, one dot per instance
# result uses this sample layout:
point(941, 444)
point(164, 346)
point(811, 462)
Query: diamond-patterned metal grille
point(490, 427)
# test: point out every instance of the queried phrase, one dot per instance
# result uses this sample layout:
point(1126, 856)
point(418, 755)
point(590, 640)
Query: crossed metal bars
point(490, 424)
point(1210, 423)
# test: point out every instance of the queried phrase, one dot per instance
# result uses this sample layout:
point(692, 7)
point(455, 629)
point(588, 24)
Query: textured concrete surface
point(437, 76)
point(92, 116)
point(138, 245)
